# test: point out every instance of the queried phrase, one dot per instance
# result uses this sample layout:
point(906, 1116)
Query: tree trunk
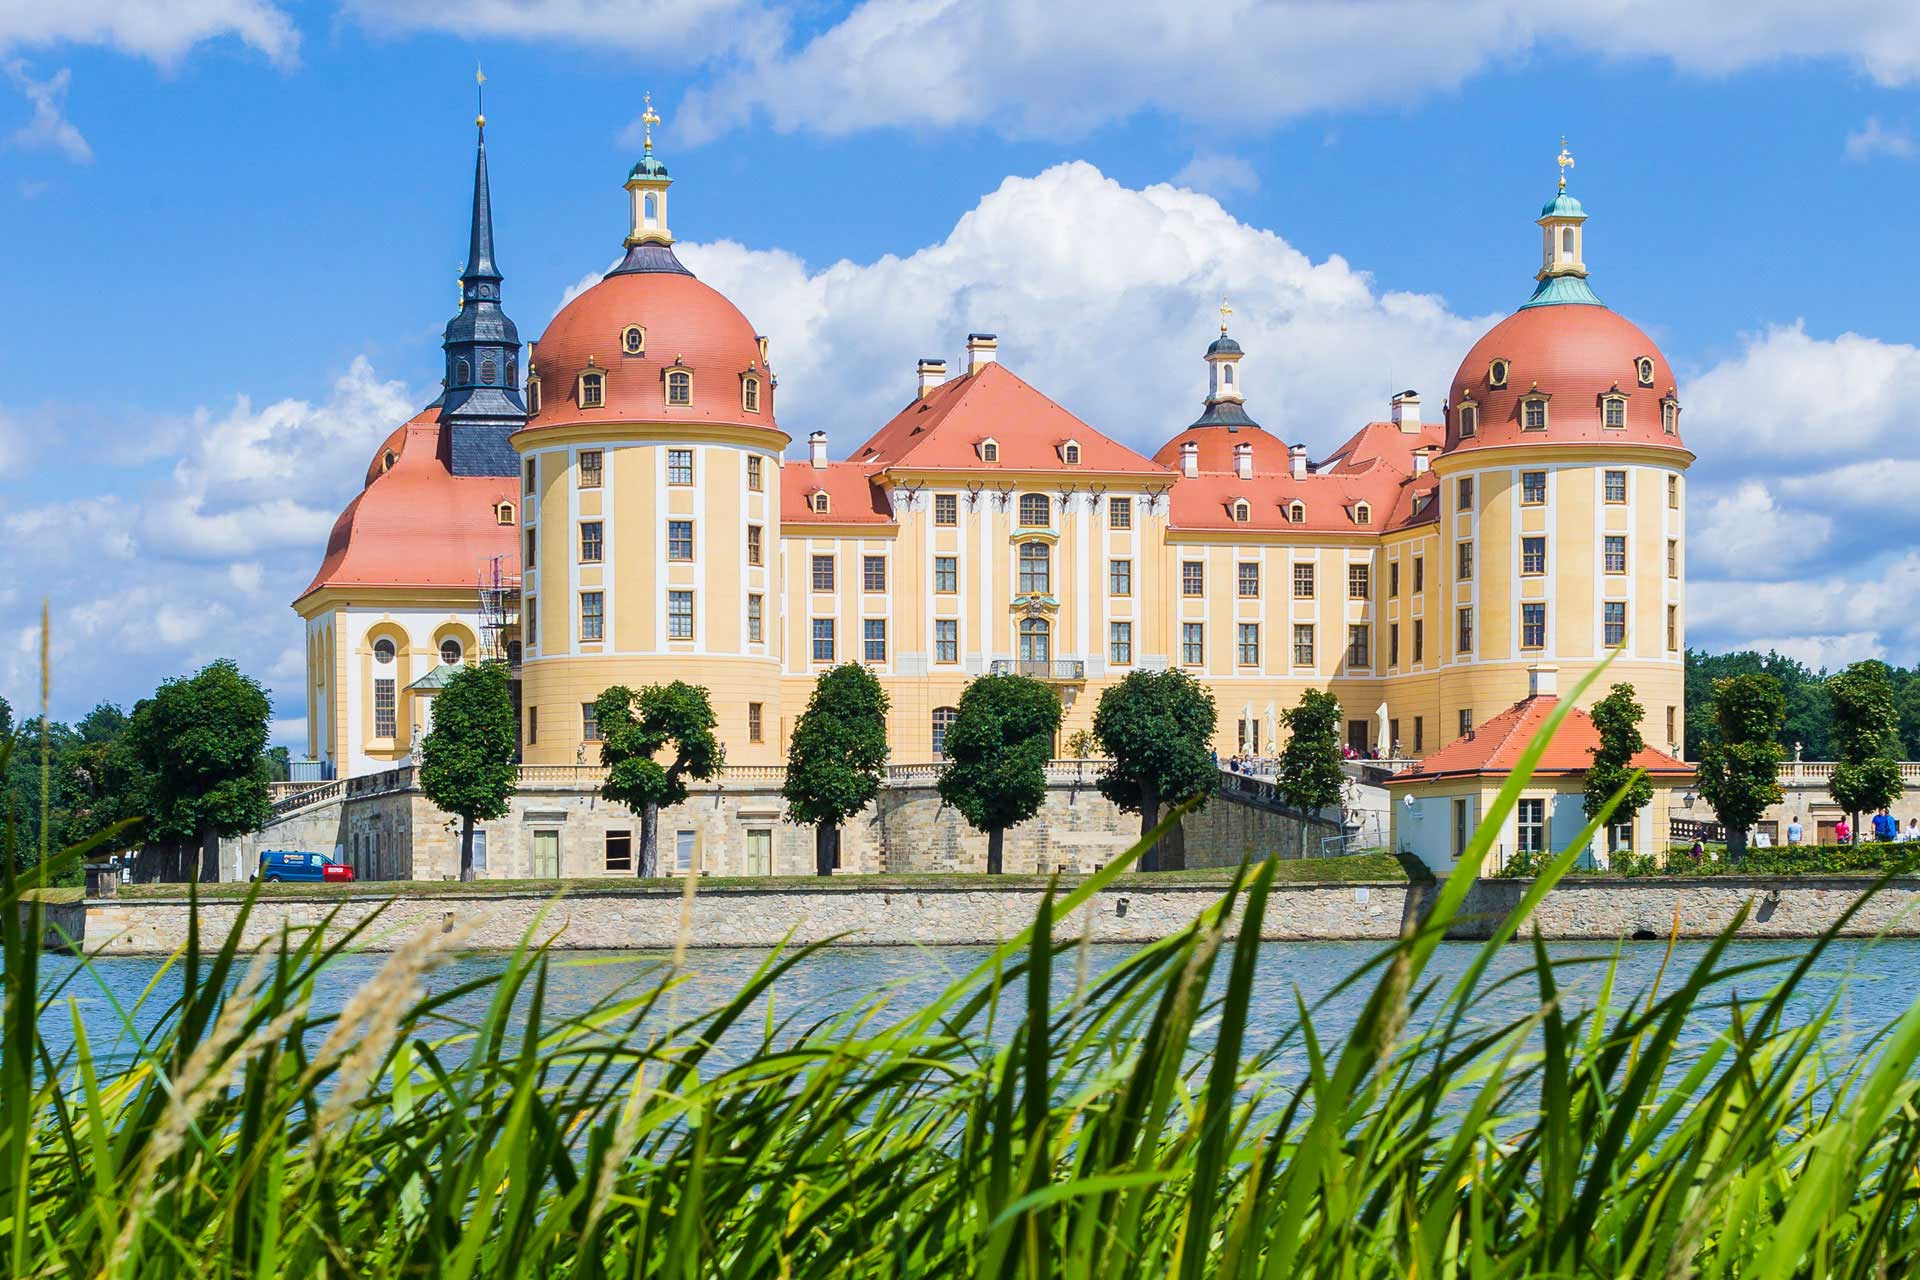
point(994, 841)
point(209, 869)
point(466, 848)
point(1736, 844)
point(826, 848)
point(648, 865)
point(1149, 818)
point(1853, 835)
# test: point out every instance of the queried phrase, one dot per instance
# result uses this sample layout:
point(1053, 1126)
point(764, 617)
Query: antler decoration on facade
point(974, 488)
point(1003, 495)
point(1154, 495)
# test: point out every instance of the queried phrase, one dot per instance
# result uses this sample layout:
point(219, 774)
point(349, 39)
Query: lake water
point(1874, 981)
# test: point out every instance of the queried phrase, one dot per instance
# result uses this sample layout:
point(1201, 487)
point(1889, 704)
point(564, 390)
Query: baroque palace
point(622, 509)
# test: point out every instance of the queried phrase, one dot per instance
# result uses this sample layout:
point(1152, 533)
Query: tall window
point(1193, 646)
point(873, 573)
point(750, 395)
point(1463, 634)
point(1393, 644)
point(823, 573)
point(679, 387)
point(1071, 455)
point(679, 539)
point(1193, 578)
point(1673, 626)
point(1533, 626)
point(1419, 639)
point(756, 730)
point(989, 451)
point(1303, 644)
point(1120, 643)
point(1419, 734)
point(1531, 833)
point(679, 466)
point(946, 640)
point(1036, 569)
point(1533, 554)
point(531, 472)
point(533, 395)
point(1614, 626)
point(1120, 577)
point(1469, 420)
point(1613, 412)
point(1241, 511)
point(1463, 493)
point(589, 722)
point(873, 639)
point(1533, 487)
point(590, 541)
point(1614, 554)
point(1673, 492)
point(1533, 414)
point(1034, 508)
point(1248, 645)
point(1249, 578)
point(385, 721)
point(1616, 486)
point(1673, 557)
point(755, 621)
point(1670, 417)
point(1036, 640)
point(679, 615)
point(590, 468)
point(754, 551)
point(823, 639)
point(1303, 581)
point(1359, 581)
point(592, 617)
point(1393, 580)
point(532, 560)
point(1419, 574)
point(1359, 651)
point(1119, 513)
point(685, 845)
point(946, 509)
point(943, 718)
point(593, 390)
point(1464, 566)
point(946, 573)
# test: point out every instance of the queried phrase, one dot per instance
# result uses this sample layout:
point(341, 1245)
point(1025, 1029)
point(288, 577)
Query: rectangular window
point(823, 639)
point(1464, 565)
point(1463, 637)
point(590, 460)
point(1419, 640)
point(679, 615)
point(823, 573)
point(532, 560)
point(1249, 644)
point(385, 720)
point(1531, 826)
point(1036, 569)
point(592, 616)
point(679, 539)
point(1614, 553)
point(533, 725)
point(531, 623)
point(590, 542)
point(1673, 626)
point(1419, 734)
point(1533, 555)
point(684, 845)
point(1249, 578)
point(1393, 580)
point(946, 509)
point(1120, 577)
point(1673, 717)
point(1673, 492)
point(1036, 511)
point(873, 639)
point(1466, 721)
point(1463, 491)
point(755, 482)
point(1673, 557)
point(679, 466)
point(754, 552)
point(1303, 644)
point(619, 851)
point(1616, 486)
point(1614, 623)
point(1359, 581)
point(1533, 487)
point(1533, 415)
point(1533, 626)
point(946, 640)
point(589, 722)
point(1419, 574)
point(1120, 643)
point(754, 622)
point(946, 573)
point(873, 573)
point(530, 473)
point(1359, 651)
point(1120, 513)
point(1614, 412)
point(1303, 581)
point(1193, 643)
point(1193, 578)
point(1393, 644)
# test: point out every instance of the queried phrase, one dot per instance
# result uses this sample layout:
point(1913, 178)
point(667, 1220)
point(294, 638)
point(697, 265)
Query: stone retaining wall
point(1783, 907)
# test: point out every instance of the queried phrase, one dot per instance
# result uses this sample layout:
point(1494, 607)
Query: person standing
point(1884, 827)
point(1795, 832)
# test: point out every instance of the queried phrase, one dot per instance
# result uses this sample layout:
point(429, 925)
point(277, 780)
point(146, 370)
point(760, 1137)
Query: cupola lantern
point(647, 190)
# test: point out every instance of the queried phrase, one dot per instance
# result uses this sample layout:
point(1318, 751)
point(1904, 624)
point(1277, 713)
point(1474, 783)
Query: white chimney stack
point(1421, 461)
point(1243, 460)
point(1297, 461)
point(1543, 680)
point(817, 450)
point(932, 373)
point(1190, 458)
point(982, 350)
point(1406, 412)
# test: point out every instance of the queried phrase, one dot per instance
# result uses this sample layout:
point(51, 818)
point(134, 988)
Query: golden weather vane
point(1564, 160)
point(649, 118)
point(1225, 311)
point(480, 96)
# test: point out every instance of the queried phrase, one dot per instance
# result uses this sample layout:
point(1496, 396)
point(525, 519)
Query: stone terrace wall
point(1783, 907)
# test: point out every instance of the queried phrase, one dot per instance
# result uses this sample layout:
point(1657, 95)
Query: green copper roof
point(649, 166)
point(1563, 291)
point(436, 678)
point(1562, 206)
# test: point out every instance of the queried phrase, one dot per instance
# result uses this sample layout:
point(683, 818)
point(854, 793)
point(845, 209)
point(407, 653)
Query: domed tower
point(1224, 437)
point(650, 474)
point(1562, 500)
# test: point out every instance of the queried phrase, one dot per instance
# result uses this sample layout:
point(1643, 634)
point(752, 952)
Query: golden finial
point(480, 96)
point(649, 118)
point(1564, 160)
point(1225, 311)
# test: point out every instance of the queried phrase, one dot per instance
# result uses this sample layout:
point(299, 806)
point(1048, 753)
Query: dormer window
point(1242, 512)
point(1497, 374)
point(1362, 513)
point(1643, 369)
point(1533, 413)
point(488, 371)
point(761, 341)
point(989, 450)
point(1670, 416)
point(462, 373)
point(679, 387)
point(533, 395)
point(750, 394)
point(633, 340)
point(1469, 420)
point(593, 390)
point(503, 513)
point(1070, 453)
point(821, 502)
point(387, 460)
point(1296, 512)
point(1613, 412)
point(1034, 509)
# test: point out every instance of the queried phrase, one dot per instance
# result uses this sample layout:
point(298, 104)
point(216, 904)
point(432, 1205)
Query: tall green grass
point(1030, 1120)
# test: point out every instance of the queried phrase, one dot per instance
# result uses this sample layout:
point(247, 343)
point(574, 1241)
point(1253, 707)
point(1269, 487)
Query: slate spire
point(482, 404)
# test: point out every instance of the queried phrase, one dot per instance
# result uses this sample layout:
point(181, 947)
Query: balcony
point(1055, 670)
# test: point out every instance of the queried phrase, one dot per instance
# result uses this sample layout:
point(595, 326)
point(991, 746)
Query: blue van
point(289, 864)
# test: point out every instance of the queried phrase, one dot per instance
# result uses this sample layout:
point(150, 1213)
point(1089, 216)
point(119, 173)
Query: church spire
point(1563, 270)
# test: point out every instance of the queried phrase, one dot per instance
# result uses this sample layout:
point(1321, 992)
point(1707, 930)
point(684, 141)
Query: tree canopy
point(1740, 762)
point(836, 755)
point(635, 728)
point(1309, 773)
point(1866, 771)
point(1157, 728)
point(997, 752)
point(467, 761)
point(203, 741)
point(1617, 717)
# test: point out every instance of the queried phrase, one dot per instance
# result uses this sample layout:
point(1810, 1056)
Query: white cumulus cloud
point(1875, 139)
point(48, 129)
point(160, 30)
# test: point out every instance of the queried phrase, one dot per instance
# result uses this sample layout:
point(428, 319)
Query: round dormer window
point(383, 652)
point(1644, 368)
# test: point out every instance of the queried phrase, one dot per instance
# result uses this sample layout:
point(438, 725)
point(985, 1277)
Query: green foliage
point(203, 741)
point(1866, 772)
point(1309, 773)
point(838, 750)
point(1740, 765)
point(635, 729)
point(997, 753)
point(1806, 718)
point(1156, 727)
point(1617, 717)
point(1083, 744)
point(467, 760)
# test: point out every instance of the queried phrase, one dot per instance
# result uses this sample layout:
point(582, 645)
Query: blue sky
point(235, 226)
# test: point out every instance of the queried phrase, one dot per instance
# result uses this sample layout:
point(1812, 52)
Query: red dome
point(1270, 455)
point(1575, 354)
point(686, 325)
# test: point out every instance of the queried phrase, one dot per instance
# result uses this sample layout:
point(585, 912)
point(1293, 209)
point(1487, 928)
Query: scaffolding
point(499, 611)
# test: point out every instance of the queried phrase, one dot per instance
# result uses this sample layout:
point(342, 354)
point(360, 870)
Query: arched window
point(1670, 416)
point(488, 371)
point(1566, 242)
point(652, 207)
point(679, 387)
point(1071, 455)
point(450, 652)
point(1036, 640)
point(821, 503)
point(462, 373)
point(1497, 374)
point(1226, 374)
point(1034, 509)
point(513, 371)
point(1241, 511)
point(1613, 412)
point(383, 651)
point(503, 513)
point(750, 395)
point(1297, 512)
point(593, 390)
point(943, 718)
point(1036, 569)
point(1469, 420)
point(633, 340)
point(1362, 513)
point(989, 451)
point(533, 395)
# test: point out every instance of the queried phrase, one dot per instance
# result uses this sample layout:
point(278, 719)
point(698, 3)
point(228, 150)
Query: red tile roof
point(853, 497)
point(1494, 748)
point(1374, 466)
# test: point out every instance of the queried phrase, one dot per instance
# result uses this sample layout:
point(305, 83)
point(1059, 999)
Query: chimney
point(1543, 680)
point(932, 372)
point(1406, 412)
point(817, 450)
point(982, 350)
point(1190, 458)
point(1243, 460)
point(1421, 461)
point(1297, 461)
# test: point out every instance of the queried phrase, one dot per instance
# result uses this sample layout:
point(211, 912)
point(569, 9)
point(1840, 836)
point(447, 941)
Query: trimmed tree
point(635, 728)
point(203, 742)
point(836, 755)
point(997, 752)
point(466, 762)
point(1866, 736)
point(1157, 727)
point(1740, 766)
point(1309, 773)
point(1617, 717)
